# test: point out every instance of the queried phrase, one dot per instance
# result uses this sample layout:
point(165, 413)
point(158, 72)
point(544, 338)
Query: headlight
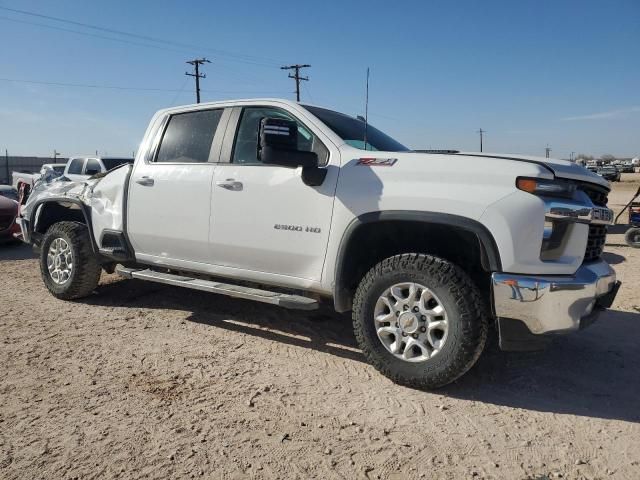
point(546, 188)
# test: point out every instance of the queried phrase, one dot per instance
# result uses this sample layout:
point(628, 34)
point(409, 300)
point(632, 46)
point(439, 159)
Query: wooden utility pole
point(196, 65)
point(6, 159)
point(481, 132)
point(296, 76)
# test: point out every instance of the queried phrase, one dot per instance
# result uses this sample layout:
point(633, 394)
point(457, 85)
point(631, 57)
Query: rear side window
point(188, 137)
point(110, 163)
point(92, 167)
point(75, 167)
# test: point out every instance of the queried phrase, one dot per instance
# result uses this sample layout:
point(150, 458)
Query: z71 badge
point(377, 162)
point(296, 228)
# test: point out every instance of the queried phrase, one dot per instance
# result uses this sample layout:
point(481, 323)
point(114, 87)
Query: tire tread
point(87, 270)
point(471, 308)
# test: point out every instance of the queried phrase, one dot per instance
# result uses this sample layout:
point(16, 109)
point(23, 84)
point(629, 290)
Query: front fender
point(491, 254)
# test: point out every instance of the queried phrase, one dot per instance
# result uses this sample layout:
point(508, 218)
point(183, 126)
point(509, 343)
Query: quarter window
point(188, 137)
point(245, 150)
point(75, 167)
point(92, 167)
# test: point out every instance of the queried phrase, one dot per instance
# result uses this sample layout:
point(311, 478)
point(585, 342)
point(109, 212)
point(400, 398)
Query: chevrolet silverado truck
point(293, 205)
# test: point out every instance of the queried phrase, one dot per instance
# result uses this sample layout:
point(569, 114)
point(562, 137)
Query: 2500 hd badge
point(297, 228)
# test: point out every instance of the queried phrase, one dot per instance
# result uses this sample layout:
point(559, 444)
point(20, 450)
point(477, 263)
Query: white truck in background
point(292, 204)
point(19, 178)
point(76, 169)
point(81, 168)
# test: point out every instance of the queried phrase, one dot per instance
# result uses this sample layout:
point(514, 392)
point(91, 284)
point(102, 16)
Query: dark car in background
point(8, 191)
point(626, 167)
point(609, 173)
point(8, 214)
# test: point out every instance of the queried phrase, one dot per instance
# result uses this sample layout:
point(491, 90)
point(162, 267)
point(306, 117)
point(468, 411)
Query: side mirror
point(278, 145)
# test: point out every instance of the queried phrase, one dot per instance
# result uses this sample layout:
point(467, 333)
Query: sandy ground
point(147, 381)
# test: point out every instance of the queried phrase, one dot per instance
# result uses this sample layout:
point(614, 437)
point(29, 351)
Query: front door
point(170, 191)
point(264, 218)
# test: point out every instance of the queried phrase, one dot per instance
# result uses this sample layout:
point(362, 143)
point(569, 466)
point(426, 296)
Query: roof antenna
point(366, 111)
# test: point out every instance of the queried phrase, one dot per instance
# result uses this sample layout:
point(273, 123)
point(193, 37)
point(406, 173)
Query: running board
point(275, 298)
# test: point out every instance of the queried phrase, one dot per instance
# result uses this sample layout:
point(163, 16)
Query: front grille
point(595, 242)
point(597, 233)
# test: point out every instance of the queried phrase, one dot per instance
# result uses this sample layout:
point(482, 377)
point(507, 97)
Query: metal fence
point(10, 164)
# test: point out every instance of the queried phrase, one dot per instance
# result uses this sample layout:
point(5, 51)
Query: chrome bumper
point(555, 304)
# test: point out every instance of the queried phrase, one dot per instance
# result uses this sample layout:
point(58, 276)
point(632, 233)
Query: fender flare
point(341, 295)
point(86, 213)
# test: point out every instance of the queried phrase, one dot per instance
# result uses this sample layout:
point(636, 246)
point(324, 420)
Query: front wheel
point(68, 264)
point(632, 237)
point(420, 320)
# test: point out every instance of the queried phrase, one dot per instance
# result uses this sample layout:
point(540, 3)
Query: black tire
point(632, 237)
point(467, 313)
point(86, 270)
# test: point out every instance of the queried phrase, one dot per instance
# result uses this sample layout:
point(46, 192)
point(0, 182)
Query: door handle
point(230, 184)
point(145, 181)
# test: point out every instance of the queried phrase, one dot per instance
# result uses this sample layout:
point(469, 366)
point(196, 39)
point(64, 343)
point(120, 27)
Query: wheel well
point(372, 242)
point(54, 212)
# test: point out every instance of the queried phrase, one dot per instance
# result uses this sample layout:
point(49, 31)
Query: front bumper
point(555, 303)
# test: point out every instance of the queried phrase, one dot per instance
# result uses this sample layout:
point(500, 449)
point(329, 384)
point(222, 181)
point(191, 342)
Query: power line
point(118, 87)
point(227, 70)
point(296, 76)
point(184, 84)
point(250, 59)
point(481, 132)
point(84, 85)
point(94, 35)
point(196, 62)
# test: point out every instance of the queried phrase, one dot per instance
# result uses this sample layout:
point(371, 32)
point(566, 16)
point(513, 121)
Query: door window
point(75, 167)
point(245, 150)
point(188, 137)
point(92, 167)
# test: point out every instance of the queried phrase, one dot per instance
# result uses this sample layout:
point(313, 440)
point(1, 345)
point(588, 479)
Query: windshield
point(110, 163)
point(352, 131)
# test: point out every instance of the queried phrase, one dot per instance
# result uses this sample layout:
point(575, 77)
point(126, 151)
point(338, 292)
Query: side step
point(275, 298)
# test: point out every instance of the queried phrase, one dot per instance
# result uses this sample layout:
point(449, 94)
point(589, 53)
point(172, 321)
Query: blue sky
point(530, 73)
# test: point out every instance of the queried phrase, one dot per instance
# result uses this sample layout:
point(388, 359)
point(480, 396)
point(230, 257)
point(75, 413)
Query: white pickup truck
point(80, 168)
point(76, 168)
point(292, 205)
point(19, 178)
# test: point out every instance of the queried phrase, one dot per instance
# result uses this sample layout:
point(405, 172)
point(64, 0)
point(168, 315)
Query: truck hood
point(560, 168)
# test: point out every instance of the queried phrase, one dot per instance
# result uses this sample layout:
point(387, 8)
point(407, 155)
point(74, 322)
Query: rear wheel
point(420, 320)
point(68, 265)
point(632, 237)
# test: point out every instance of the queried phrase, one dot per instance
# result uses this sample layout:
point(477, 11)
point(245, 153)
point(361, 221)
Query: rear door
point(169, 200)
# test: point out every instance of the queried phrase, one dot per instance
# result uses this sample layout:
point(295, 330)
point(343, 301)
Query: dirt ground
point(148, 381)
